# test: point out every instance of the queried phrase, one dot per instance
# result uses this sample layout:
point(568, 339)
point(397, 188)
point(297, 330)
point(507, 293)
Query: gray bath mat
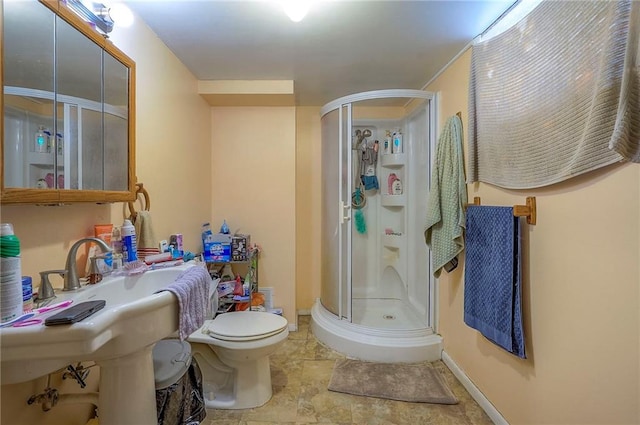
point(419, 383)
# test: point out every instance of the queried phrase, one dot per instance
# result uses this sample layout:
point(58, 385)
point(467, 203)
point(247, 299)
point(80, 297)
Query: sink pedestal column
point(127, 390)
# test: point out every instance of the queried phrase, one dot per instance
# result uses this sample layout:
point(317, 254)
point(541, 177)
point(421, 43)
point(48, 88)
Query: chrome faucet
point(71, 280)
point(45, 291)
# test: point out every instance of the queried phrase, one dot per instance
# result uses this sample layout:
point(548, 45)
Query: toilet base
point(234, 384)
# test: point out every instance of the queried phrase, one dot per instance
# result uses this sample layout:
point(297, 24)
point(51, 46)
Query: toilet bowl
point(233, 351)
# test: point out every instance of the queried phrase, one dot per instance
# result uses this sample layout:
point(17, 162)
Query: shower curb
point(370, 344)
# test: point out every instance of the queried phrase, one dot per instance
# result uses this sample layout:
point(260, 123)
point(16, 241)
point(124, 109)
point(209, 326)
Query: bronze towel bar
point(528, 210)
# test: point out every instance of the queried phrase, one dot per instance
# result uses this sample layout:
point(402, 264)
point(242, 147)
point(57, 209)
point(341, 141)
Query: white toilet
point(232, 352)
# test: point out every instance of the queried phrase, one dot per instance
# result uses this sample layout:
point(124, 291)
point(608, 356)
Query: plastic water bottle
point(129, 243)
point(10, 274)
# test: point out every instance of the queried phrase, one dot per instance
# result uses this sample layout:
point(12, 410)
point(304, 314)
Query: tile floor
point(301, 370)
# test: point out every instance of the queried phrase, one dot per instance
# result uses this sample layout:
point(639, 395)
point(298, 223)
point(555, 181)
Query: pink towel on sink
point(192, 289)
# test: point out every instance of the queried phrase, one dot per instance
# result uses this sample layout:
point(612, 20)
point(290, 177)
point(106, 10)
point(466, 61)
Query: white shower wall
point(395, 267)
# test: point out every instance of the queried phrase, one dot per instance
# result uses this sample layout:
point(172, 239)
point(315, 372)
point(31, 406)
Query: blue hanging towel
point(492, 276)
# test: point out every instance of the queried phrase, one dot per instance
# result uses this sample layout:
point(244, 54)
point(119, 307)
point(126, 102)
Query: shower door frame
point(338, 224)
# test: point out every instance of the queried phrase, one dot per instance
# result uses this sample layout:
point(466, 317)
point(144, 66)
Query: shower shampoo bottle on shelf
point(397, 142)
point(386, 147)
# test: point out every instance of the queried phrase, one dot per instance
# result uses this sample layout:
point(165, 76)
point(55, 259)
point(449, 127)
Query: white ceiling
point(339, 48)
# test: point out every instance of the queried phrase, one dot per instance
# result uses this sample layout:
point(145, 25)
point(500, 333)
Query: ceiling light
point(296, 9)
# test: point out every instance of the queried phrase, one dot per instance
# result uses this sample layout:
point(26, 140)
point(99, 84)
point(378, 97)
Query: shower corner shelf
point(42, 159)
point(393, 160)
point(392, 241)
point(394, 200)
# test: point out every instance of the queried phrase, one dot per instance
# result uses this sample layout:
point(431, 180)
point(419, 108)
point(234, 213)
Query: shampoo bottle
point(129, 243)
point(386, 148)
point(59, 144)
point(397, 142)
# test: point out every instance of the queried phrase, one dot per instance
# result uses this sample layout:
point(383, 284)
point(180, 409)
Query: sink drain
point(389, 317)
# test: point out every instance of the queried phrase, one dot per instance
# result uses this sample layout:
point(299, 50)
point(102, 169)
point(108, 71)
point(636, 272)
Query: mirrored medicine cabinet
point(68, 106)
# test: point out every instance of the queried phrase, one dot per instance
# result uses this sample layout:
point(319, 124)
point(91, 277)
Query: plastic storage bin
point(179, 396)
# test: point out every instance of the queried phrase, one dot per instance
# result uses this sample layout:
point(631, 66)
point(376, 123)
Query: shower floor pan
point(391, 343)
point(384, 314)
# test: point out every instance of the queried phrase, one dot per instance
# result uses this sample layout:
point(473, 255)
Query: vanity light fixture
point(102, 16)
point(94, 13)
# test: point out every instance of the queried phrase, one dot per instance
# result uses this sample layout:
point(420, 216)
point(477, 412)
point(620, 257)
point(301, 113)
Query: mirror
point(68, 125)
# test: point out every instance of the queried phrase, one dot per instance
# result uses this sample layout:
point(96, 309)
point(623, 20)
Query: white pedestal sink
point(119, 338)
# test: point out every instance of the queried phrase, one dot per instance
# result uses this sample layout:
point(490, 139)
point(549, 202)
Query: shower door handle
point(344, 212)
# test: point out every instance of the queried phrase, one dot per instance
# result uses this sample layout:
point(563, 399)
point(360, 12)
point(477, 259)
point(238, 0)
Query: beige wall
point(308, 209)
point(173, 161)
point(253, 188)
point(581, 296)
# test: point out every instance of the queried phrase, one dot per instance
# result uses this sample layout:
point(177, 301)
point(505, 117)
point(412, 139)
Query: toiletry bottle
point(387, 143)
point(42, 141)
point(129, 243)
point(59, 144)
point(116, 245)
point(207, 242)
point(50, 140)
point(27, 294)
point(11, 276)
point(224, 228)
point(397, 142)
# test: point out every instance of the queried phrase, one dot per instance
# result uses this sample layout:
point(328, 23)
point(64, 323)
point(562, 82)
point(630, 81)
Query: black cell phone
point(75, 313)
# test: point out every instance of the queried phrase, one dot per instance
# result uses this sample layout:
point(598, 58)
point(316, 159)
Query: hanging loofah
point(361, 224)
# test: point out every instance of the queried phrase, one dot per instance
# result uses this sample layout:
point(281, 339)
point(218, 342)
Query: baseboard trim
point(477, 395)
point(304, 312)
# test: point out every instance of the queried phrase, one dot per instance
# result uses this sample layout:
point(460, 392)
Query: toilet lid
point(245, 325)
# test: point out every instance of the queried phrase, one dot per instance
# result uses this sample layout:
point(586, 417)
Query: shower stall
point(377, 291)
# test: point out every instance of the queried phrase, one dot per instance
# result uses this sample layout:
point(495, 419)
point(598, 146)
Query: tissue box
point(220, 248)
point(240, 247)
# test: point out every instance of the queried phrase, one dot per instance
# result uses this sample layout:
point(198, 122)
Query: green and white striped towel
point(444, 232)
